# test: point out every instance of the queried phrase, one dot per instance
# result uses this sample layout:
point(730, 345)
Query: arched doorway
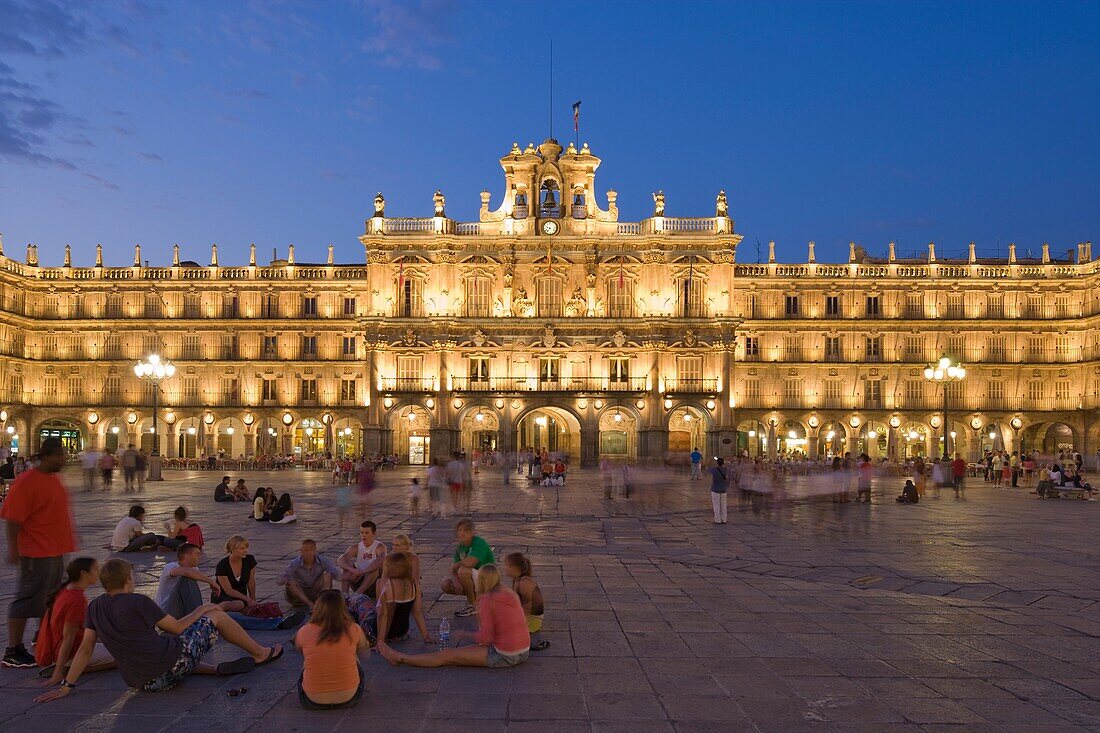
point(480, 429)
point(146, 436)
point(832, 439)
point(309, 438)
point(914, 441)
point(991, 438)
point(348, 436)
point(872, 440)
point(752, 439)
point(552, 429)
point(229, 438)
point(791, 439)
point(267, 437)
point(67, 431)
point(411, 426)
point(1051, 440)
point(687, 431)
point(619, 433)
point(187, 438)
point(114, 434)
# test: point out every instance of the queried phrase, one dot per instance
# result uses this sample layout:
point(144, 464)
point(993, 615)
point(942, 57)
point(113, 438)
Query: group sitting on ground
point(267, 508)
point(156, 643)
point(223, 492)
point(130, 534)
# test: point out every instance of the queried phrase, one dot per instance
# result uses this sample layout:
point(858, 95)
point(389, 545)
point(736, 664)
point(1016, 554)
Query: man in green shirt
point(472, 552)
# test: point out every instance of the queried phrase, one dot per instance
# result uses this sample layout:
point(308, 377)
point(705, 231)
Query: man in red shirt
point(958, 473)
point(40, 532)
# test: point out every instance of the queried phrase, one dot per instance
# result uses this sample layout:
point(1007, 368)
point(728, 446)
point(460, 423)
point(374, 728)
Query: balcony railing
point(691, 386)
point(536, 384)
point(408, 384)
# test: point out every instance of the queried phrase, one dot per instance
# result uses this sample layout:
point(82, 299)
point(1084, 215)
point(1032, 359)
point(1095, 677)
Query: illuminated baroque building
point(550, 323)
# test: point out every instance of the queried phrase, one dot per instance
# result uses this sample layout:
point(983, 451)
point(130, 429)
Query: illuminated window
point(549, 369)
point(619, 369)
point(308, 391)
point(790, 308)
point(752, 348)
point(873, 348)
point(270, 390)
point(872, 306)
point(549, 296)
point(996, 394)
point(834, 348)
point(620, 297)
point(412, 298)
point(349, 306)
point(832, 306)
point(309, 306)
point(349, 389)
point(914, 393)
point(348, 349)
point(478, 297)
point(479, 369)
point(872, 394)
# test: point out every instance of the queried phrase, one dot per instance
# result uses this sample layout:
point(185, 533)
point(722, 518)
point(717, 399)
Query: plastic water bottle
point(444, 633)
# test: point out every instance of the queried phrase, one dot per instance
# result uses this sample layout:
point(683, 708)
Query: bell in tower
point(550, 205)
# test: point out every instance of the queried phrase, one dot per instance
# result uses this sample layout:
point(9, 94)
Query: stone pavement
point(973, 615)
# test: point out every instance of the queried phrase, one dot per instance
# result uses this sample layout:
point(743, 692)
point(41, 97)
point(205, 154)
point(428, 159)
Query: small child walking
point(414, 497)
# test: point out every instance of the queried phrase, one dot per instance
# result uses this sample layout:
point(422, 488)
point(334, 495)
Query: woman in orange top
point(332, 677)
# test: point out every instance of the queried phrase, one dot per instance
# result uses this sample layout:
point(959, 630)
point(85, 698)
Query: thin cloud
point(229, 120)
point(152, 157)
point(407, 34)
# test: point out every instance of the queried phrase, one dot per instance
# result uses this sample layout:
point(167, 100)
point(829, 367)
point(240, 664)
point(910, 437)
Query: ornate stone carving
point(479, 338)
point(379, 204)
point(410, 337)
point(619, 338)
point(721, 206)
point(690, 339)
point(576, 305)
point(549, 338)
point(659, 203)
point(440, 202)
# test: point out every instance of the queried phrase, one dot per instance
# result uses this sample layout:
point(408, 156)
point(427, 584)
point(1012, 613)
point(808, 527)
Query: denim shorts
point(196, 641)
point(498, 659)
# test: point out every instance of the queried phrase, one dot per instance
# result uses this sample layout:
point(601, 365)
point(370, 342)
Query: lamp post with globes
point(944, 371)
point(153, 370)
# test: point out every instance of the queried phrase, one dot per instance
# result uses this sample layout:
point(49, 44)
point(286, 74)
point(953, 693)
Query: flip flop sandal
point(275, 654)
point(237, 666)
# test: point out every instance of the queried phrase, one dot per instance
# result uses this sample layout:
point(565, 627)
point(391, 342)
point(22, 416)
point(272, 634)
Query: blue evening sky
point(276, 122)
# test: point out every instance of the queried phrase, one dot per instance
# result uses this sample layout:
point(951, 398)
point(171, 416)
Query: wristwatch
point(66, 683)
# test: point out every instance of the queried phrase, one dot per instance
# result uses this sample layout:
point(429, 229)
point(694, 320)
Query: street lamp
point(945, 371)
point(154, 370)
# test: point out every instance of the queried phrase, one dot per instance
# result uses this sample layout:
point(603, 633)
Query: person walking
point(40, 534)
point(89, 464)
point(696, 464)
point(719, 483)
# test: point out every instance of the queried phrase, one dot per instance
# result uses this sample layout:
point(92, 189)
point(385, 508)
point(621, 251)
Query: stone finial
point(99, 255)
point(485, 197)
point(893, 252)
point(213, 255)
point(1046, 253)
point(1080, 252)
point(439, 201)
point(68, 255)
point(252, 255)
point(811, 257)
point(659, 203)
point(931, 251)
point(175, 255)
point(379, 204)
point(721, 205)
point(290, 255)
point(1088, 251)
point(1, 244)
point(515, 149)
point(1012, 253)
point(32, 257)
point(771, 251)
point(972, 255)
point(137, 255)
point(330, 255)
point(851, 251)
point(585, 150)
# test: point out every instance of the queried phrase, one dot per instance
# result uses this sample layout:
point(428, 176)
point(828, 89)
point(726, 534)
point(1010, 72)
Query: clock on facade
point(550, 227)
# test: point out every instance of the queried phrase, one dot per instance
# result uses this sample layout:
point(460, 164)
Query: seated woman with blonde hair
point(502, 639)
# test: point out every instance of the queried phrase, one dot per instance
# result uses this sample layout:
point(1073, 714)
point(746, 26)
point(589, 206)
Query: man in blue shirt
point(696, 464)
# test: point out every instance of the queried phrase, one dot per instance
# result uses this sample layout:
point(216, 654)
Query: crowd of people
point(370, 597)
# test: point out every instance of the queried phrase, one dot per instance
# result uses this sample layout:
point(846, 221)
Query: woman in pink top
point(502, 639)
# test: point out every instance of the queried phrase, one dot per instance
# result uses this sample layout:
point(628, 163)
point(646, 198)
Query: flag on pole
point(576, 116)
